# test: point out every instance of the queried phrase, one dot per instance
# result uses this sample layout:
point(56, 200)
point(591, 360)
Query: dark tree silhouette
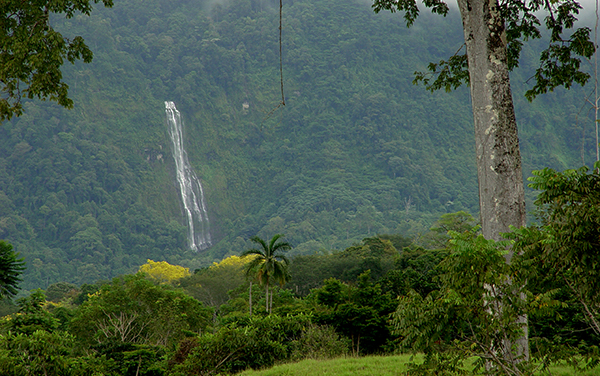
point(11, 268)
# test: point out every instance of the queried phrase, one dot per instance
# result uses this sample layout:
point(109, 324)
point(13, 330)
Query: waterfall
point(192, 194)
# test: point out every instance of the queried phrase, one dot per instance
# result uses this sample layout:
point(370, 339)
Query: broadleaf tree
point(32, 52)
point(211, 285)
point(133, 310)
point(494, 32)
point(472, 314)
point(32, 343)
point(163, 272)
point(566, 245)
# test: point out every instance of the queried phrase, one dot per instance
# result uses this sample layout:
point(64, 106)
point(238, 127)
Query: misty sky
point(587, 14)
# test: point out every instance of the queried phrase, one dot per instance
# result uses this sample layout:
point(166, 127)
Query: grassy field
point(366, 366)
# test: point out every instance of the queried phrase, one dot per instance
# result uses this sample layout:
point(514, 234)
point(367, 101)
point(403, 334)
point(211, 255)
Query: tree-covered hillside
point(357, 150)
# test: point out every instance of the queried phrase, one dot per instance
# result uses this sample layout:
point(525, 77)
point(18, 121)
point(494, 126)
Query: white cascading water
point(192, 194)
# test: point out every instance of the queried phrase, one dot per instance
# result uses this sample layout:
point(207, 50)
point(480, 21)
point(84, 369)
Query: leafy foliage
point(268, 263)
point(566, 243)
point(31, 343)
point(375, 254)
point(212, 285)
point(560, 62)
point(88, 194)
point(256, 343)
point(358, 312)
point(32, 52)
point(438, 235)
point(164, 272)
point(319, 342)
point(480, 301)
point(416, 269)
point(10, 270)
point(31, 316)
point(454, 311)
point(133, 310)
point(39, 353)
point(475, 313)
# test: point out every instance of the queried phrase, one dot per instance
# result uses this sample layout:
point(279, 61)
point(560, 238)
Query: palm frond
point(261, 242)
point(253, 251)
point(269, 264)
point(253, 266)
point(283, 259)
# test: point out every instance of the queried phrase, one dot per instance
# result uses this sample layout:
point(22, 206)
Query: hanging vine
point(282, 102)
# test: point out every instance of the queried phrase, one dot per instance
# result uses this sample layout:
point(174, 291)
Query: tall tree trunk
point(250, 298)
point(501, 193)
point(501, 196)
point(267, 298)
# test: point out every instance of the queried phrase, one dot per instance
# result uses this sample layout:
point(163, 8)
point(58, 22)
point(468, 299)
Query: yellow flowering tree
point(231, 262)
point(163, 272)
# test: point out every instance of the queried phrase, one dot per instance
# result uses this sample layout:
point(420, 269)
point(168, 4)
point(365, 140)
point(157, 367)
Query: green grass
point(367, 366)
point(564, 370)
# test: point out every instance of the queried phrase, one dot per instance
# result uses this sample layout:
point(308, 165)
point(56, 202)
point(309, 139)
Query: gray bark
point(501, 193)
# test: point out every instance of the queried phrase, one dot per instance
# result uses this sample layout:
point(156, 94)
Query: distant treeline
point(358, 150)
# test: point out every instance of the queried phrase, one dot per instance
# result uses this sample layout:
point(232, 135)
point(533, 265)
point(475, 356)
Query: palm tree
point(268, 263)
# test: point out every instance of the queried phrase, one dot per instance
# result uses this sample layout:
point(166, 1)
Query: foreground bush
point(256, 343)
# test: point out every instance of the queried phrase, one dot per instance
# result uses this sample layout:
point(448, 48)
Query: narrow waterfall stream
point(192, 194)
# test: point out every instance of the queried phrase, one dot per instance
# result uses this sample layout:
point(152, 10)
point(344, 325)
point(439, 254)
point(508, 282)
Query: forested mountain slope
point(357, 150)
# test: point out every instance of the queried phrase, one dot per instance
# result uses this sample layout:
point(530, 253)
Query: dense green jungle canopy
point(90, 193)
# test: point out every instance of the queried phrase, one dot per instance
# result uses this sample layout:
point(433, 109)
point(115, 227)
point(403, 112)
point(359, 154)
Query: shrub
point(319, 342)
